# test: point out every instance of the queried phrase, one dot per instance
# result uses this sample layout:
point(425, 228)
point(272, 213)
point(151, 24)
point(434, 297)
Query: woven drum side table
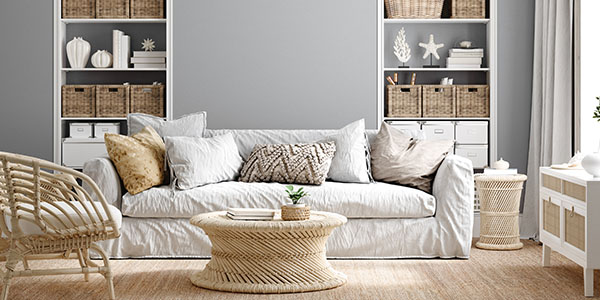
point(268, 256)
point(500, 197)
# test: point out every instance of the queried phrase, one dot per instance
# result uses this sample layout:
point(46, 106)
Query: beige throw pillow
point(139, 159)
point(400, 159)
point(297, 163)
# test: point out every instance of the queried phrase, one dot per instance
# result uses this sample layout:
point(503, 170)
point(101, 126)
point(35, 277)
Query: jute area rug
point(486, 275)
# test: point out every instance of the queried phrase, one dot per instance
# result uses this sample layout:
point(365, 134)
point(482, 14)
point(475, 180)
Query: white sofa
point(384, 220)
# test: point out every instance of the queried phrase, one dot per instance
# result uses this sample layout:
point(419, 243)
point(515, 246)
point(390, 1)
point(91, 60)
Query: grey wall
point(26, 77)
point(256, 64)
point(515, 71)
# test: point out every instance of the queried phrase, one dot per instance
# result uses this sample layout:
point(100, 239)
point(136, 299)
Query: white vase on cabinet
point(78, 52)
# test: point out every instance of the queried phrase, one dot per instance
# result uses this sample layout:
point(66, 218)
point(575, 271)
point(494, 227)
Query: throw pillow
point(139, 159)
point(285, 163)
point(397, 158)
point(187, 125)
point(350, 163)
point(196, 161)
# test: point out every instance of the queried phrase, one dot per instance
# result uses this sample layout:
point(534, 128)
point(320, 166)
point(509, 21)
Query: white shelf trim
point(99, 21)
point(436, 21)
point(436, 69)
point(93, 119)
point(113, 70)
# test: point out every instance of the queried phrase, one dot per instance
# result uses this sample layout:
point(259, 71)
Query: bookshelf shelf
point(435, 70)
point(98, 32)
point(436, 21)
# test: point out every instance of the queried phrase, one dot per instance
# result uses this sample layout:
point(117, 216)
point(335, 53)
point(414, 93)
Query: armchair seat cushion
point(70, 211)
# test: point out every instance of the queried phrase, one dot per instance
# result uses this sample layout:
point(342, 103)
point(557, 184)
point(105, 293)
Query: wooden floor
point(487, 275)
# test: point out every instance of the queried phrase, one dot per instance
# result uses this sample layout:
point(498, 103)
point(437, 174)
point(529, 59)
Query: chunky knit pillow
point(285, 163)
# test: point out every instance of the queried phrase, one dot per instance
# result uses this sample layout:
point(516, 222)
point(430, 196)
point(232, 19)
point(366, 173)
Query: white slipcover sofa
point(384, 220)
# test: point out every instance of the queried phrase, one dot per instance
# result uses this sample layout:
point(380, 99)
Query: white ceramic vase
point(591, 164)
point(101, 59)
point(78, 52)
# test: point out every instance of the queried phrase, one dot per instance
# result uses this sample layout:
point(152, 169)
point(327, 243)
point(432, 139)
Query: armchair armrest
point(453, 188)
point(104, 174)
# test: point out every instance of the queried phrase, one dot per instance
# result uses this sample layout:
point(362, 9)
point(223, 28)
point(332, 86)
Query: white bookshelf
point(483, 29)
point(98, 31)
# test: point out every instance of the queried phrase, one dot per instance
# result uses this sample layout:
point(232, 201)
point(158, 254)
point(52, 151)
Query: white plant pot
point(102, 59)
point(78, 52)
point(591, 164)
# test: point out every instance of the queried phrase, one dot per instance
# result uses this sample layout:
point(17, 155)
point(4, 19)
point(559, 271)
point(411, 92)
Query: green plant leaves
point(295, 196)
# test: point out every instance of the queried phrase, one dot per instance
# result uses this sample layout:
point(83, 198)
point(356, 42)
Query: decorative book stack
point(149, 59)
point(121, 50)
point(250, 214)
point(465, 58)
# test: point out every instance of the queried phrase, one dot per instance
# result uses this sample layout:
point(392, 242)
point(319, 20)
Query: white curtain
point(550, 138)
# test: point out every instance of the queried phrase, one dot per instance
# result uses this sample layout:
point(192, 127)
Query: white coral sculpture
point(401, 48)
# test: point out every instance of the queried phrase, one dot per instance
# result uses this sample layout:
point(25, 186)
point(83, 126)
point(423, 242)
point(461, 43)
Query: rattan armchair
point(46, 214)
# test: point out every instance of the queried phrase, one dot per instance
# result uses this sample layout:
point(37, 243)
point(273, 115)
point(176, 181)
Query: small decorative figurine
point(401, 48)
point(431, 50)
point(148, 45)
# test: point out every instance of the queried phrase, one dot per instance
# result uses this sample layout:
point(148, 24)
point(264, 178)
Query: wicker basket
point(148, 99)
point(147, 9)
point(295, 213)
point(414, 9)
point(439, 101)
point(472, 101)
point(403, 101)
point(112, 9)
point(112, 100)
point(468, 9)
point(78, 101)
point(79, 9)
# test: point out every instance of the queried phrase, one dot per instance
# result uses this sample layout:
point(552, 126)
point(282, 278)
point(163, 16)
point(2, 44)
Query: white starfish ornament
point(431, 48)
point(148, 45)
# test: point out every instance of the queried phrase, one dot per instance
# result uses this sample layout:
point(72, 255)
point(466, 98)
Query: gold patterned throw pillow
point(285, 163)
point(139, 159)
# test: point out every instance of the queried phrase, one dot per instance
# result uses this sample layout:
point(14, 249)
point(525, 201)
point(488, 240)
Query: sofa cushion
point(289, 163)
point(354, 200)
point(192, 124)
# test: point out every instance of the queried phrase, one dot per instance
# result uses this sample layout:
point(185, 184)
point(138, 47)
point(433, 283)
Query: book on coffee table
point(254, 214)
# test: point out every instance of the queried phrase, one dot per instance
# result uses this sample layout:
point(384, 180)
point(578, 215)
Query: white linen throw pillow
point(192, 124)
point(350, 163)
point(196, 161)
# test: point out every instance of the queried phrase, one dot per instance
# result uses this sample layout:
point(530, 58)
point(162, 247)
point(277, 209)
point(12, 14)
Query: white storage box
point(80, 130)
point(411, 128)
point(478, 154)
point(101, 128)
point(472, 132)
point(76, 151)
point(438, 130)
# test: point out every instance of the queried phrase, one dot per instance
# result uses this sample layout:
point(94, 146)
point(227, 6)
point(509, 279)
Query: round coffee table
point(268, 256)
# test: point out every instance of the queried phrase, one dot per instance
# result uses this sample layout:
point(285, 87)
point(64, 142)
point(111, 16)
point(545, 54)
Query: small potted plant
point(295, 210)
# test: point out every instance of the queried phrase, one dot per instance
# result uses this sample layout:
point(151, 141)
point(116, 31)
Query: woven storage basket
point(147, 9)
point(112, 9)
point(112, 100)
point(148, 99)
point(414, 9)
point(78, 101)
point(439, 100)
point(403, 101)
point(80, 9)
point(500, 200)
point(472, 101)
point(295, 213)
point(468, 9)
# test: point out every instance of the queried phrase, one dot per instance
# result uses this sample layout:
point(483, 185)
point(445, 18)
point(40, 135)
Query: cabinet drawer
point(439, 130)
point(471, 132)
point(76, 154)
point(477, 154)
point(574, 228)
point(552, 183)
point(574, 190)
point(410, 128)
point(551, 218)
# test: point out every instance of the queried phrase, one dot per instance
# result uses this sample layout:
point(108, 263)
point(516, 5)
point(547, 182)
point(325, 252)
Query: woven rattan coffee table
point(268, 256)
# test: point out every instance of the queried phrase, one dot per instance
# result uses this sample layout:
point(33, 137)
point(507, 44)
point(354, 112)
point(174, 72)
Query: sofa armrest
point(102, 171)
point(453, 188)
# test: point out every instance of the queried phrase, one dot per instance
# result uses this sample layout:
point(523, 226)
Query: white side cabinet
point(570, 219)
